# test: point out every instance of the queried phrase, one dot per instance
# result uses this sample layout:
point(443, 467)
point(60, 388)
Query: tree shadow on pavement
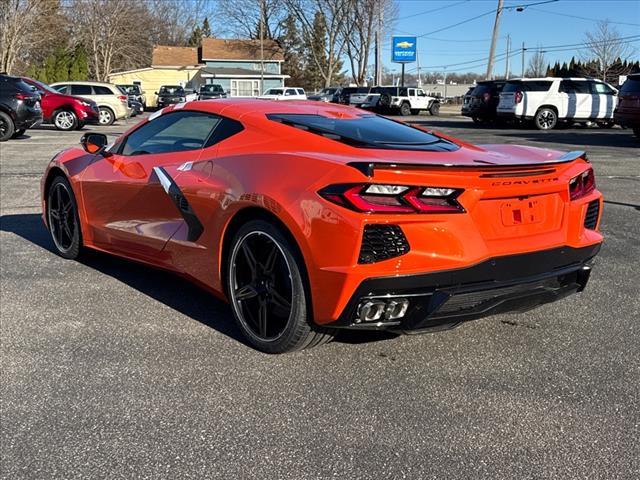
point(165, 287)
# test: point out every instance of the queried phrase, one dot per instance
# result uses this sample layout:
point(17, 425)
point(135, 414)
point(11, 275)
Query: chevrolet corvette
point(309, 218)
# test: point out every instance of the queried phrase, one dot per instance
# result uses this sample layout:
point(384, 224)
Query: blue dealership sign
point(403, 49)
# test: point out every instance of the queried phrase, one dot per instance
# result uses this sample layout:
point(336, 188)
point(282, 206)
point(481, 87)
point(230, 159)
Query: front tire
point(435, 109)
point(65, 120)
point(266, 289)
point(106, 116)
point(7, 128)
point(546, 119)
point(405, 109)
point(63, 220)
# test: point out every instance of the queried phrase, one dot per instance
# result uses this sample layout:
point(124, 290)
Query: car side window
point(412, 92)
point(290, 91)
point(100, 90)
point(574, 86)
point(61, 88)
point(80, 89)
point(601, 89)
point(171, 132)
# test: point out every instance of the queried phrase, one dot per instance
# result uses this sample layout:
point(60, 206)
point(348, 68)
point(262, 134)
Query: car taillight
point(518, 96)
point(582, 184)
point(486, 97)
point(123, 98)
point(379, 198)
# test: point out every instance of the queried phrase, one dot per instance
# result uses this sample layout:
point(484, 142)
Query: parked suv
point(548, 101)
point(403, 100)
point(210, 91)
point(285, 93)
point(170, 94)
point(19, 107)
point(331, 94)
point(134, 93)
point(481, 102)
point(627, 113)
point(65, 112)
point(113, 104)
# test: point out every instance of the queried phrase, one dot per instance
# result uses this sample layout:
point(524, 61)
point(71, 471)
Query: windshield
point(211, 88)
point(130, 89)
point(41, 86)
point(632, 85)
point(171, 90)
point(366, 131)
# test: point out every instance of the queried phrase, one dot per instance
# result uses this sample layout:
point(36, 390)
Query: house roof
point(222, 49)
point(223, 72)
point(174, 56)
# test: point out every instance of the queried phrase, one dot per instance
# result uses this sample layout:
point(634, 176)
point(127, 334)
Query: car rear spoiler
point(368, 168)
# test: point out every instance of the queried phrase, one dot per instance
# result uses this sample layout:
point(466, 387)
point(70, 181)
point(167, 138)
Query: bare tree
point(537, 65)
point(174, 21)
point(364, 17)
point(605, 45)
point(112, 36)
point(242, 18)
point(334, 15)
point(21, 29)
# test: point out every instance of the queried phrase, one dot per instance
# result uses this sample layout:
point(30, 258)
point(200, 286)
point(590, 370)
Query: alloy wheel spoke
point(251, 259)
point(278, 300)
point(246, 292)
point(270, 263)
point(262, 318)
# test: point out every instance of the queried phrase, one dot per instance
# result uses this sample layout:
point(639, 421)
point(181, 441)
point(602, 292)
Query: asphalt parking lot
point(114, 370)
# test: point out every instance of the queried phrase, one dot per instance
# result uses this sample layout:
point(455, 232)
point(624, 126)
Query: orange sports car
point(311, 217)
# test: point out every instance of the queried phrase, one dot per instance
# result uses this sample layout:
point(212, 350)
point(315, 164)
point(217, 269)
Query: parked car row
point(551, 102)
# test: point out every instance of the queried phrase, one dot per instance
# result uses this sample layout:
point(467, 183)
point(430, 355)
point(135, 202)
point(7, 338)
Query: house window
point(245, 88)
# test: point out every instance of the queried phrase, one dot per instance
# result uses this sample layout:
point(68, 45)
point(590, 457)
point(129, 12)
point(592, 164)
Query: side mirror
point(94, 143)
point(155, 93)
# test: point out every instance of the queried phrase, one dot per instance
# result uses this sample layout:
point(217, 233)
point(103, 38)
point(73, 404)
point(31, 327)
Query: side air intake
point(381, 242)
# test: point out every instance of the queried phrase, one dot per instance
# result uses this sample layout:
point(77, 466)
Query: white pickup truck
point(285, 93)
point(405, 100)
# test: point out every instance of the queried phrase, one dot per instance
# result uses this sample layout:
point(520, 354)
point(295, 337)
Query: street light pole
point(523, 49)
point(506, 71)
point(494, 39)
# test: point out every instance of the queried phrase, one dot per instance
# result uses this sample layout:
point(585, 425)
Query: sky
point(465, 48)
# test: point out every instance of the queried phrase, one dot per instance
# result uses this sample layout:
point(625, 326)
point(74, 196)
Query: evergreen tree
point(316, 56)
point(79, 67)
point(196, 37)
point(293, 53)
point(206, 29)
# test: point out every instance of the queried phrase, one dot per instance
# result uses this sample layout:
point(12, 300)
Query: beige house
point(169, 66)
point(236, 65)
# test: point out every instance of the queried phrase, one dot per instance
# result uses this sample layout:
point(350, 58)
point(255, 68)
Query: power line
point(433, 10)
point(584, 18)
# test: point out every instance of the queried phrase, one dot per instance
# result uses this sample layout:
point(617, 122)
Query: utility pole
point(445, 84)
point(378, 66)
point(261, 47)
point(523, 49)
point(506, 71)
point(418, 60)
point(494, 39)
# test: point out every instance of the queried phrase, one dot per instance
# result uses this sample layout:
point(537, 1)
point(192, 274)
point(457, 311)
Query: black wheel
point(608, 124)
point(65, 120)
point(385, 100)
point(62, 218)
point(405, 109)
point(435, 109)
point(7, 128)
point(546, 119)
point(267, 292)
point(106, 116)
point(18, 133)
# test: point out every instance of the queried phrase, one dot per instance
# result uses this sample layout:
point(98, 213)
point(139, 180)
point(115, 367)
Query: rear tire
point(267, 292)
point(65, 120)
point(7, 128)
point(435, 109)
point(107, 116)
point(546, 119)
point(405, 109)
point(63, 220)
